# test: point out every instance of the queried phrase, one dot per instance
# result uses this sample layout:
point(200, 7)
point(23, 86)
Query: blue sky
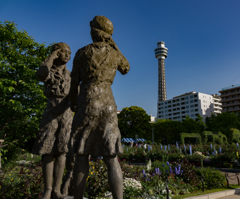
point(202, 37)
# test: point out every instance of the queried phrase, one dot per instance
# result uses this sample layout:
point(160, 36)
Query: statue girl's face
point(64, 55)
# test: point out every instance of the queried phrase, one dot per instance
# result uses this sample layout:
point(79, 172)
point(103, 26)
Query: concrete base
point(217, 194)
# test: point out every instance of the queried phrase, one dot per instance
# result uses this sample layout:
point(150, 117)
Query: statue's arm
point(75, 80)
point(43, 73)
point(123, 66)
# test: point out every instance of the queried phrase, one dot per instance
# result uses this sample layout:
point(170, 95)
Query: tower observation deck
point(161, 53)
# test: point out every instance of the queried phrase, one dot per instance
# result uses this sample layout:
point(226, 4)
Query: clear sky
point(202, 37)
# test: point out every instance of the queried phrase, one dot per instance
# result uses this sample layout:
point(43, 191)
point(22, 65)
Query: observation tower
point(161, 53)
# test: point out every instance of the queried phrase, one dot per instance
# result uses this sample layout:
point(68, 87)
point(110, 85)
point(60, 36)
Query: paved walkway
point(232, 177)
point(235, 196)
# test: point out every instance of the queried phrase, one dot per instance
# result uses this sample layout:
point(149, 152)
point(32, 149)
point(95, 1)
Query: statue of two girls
point(94, 128)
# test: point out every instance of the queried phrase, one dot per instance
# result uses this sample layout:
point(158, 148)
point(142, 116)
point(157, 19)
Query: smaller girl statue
point(55, 126)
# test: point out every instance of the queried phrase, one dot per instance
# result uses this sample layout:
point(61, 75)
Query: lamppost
point(1, 141)
point(152, 135)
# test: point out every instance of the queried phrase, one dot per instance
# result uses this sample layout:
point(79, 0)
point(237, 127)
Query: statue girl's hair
point(59, 45)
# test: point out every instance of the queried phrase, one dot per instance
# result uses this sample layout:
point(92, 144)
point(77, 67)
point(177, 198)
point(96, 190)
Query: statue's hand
point(55, 54)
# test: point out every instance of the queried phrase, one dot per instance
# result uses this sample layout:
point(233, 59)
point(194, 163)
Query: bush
point(174, 157)
point(195, 157)
point(189, 174)
point(225, 157)
point(212, 178)
point(25, 182)
point(97, 182)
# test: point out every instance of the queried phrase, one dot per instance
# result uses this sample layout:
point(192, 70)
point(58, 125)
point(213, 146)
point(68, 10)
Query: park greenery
point(23, 178)
point(22, 101)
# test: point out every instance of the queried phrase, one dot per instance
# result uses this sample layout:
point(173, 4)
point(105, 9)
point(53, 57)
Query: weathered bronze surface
point(95, 125)
point(55, 127)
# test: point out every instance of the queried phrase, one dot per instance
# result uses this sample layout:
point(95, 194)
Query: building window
point(191, 101)
point(186, 98)
point(192, 106)
point(187, 111)
point(192, 110)
point(187, 106)
point(187, 102)
point(191, 96)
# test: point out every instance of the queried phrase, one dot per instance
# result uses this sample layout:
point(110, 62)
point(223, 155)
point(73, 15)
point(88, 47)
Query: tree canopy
point(22, 101)
point(134, 121)
point(166, 131)
point(223, 123)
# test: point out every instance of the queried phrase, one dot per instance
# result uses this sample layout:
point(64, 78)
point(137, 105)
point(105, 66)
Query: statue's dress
point(95, 124)
point(55, 126)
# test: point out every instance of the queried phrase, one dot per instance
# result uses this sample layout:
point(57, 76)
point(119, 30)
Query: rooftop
point(233, 86)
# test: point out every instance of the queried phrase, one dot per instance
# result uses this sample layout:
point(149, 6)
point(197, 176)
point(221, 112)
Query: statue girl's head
point(64, 52)
point(101, 29)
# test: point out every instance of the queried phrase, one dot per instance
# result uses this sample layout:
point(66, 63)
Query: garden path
point(235, 196)
point(232, 177)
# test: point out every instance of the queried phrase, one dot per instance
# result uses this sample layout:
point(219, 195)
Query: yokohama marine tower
point(161, 53)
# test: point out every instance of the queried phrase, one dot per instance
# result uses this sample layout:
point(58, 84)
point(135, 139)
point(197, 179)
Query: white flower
point(130, 182)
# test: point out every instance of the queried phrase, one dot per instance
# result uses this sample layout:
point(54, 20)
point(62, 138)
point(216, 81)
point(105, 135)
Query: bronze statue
point(55, 127)
point(95, 124)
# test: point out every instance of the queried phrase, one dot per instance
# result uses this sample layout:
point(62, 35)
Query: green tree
point(134, 121)
point(167, 131)
point(192, 126)
point(223, 123)
point(22, 101)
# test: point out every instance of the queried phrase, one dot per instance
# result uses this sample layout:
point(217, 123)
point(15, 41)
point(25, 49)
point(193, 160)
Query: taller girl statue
point(95, 124)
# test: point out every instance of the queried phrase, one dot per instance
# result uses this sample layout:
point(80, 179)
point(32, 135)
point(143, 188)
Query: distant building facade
point(191, 104)
point(230, 98)
point(152, 119)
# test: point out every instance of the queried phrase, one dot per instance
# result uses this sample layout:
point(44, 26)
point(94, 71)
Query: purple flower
point(163, 165)
point(148, 179)
point(168, 163)
point(157, 171)
point(143, 171)
point(153, 174)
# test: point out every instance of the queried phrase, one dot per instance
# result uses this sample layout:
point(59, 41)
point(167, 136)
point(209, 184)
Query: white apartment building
point(191, 104)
